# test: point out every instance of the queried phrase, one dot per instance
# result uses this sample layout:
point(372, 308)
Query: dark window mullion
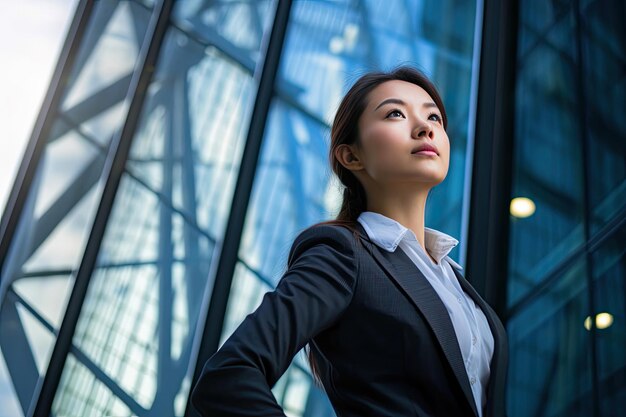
point(488, 229)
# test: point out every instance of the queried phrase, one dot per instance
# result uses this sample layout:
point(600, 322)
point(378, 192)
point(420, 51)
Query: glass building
point(182, 146)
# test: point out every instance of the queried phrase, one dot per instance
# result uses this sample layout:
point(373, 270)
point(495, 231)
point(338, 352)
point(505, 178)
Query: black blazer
point(380, 334)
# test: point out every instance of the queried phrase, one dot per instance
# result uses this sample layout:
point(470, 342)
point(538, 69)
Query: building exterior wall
point(566, 261)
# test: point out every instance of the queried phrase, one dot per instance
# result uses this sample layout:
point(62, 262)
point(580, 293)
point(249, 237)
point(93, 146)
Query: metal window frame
point(488, 230)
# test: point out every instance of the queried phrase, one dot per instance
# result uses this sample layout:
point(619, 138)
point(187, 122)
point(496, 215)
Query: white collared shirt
point(469, 322)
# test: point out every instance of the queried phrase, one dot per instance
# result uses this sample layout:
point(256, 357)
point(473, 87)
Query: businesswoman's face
point(401, 138)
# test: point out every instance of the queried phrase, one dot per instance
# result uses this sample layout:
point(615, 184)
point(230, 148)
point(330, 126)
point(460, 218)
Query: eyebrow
point(398, 101)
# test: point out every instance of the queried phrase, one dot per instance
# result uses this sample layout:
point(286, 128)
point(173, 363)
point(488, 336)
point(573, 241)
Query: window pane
point(604, 53)
point(550, 351)
point(609, 271)
point(200, 103)
point(547, 162)
point(138, 320)
point(136, 330)
point(236, 28)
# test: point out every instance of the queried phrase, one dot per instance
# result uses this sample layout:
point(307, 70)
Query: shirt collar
point(388, 233)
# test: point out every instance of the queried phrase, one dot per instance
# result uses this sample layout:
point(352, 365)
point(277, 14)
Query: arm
point(312, 294)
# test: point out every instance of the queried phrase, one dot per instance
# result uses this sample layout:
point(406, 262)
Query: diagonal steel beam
point(182, 129)
point(59, 210)
point(166, 388)
point(18, 354)
point(80, 356)
point(92, 106)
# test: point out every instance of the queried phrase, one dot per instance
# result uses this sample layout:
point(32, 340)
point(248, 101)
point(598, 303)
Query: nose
point(422, 129)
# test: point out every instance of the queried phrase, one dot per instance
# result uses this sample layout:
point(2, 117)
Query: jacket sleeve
point(311, 295)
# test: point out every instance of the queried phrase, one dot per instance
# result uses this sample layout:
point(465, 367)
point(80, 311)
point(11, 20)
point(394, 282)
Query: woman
point(392, 326)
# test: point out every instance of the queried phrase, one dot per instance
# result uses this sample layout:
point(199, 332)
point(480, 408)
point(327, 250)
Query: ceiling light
point(522, 207)
point(603, 320)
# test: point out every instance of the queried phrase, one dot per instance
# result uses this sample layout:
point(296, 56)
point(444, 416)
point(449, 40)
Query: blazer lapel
point(414, 284)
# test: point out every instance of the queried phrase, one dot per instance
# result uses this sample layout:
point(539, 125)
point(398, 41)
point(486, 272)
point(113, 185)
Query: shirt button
point(473, 340)
point(459, 300)
point(472, 380)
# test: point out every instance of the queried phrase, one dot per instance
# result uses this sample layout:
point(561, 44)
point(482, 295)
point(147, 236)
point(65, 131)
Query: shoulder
point(335, 237)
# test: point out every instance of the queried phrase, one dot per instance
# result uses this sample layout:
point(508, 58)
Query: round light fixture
point(522, 207)
point(603, 320)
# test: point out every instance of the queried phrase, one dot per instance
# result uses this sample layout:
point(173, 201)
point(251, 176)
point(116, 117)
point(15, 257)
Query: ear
point(348, 157)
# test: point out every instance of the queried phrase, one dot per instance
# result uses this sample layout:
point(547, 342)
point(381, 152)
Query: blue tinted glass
point(604, 54)
point(548, 168)
point(236, 28)
point(202, 99)
point(550, 351)
point(138, 321)
point(134, 339)
point(570, 160)
point(292, 187)
point(609, 280)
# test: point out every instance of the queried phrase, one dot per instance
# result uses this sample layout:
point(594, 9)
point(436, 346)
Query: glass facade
point(39, 269)
point(566, 277)
point(150, 289)
point(133, 344)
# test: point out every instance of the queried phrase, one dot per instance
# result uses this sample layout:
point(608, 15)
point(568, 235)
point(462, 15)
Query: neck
point(407, 207)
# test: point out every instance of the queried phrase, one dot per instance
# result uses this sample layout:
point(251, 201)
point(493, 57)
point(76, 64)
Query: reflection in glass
point(550, 352)
point(248, 289)
point(570, 160)
point(88, 393)
point(291, 189)
point(609, 280)
point(136, 331)
point(203, 100)
point(103, 68)
point(236, 28)
point(136, 328)
point(547, 157)
point(604, 53)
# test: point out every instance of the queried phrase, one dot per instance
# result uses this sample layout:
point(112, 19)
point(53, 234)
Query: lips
point(425, 148)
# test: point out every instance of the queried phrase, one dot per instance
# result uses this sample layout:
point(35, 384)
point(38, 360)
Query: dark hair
point(345, 131)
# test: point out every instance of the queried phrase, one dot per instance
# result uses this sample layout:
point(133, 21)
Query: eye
point(395, 112)
point(435, 117)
